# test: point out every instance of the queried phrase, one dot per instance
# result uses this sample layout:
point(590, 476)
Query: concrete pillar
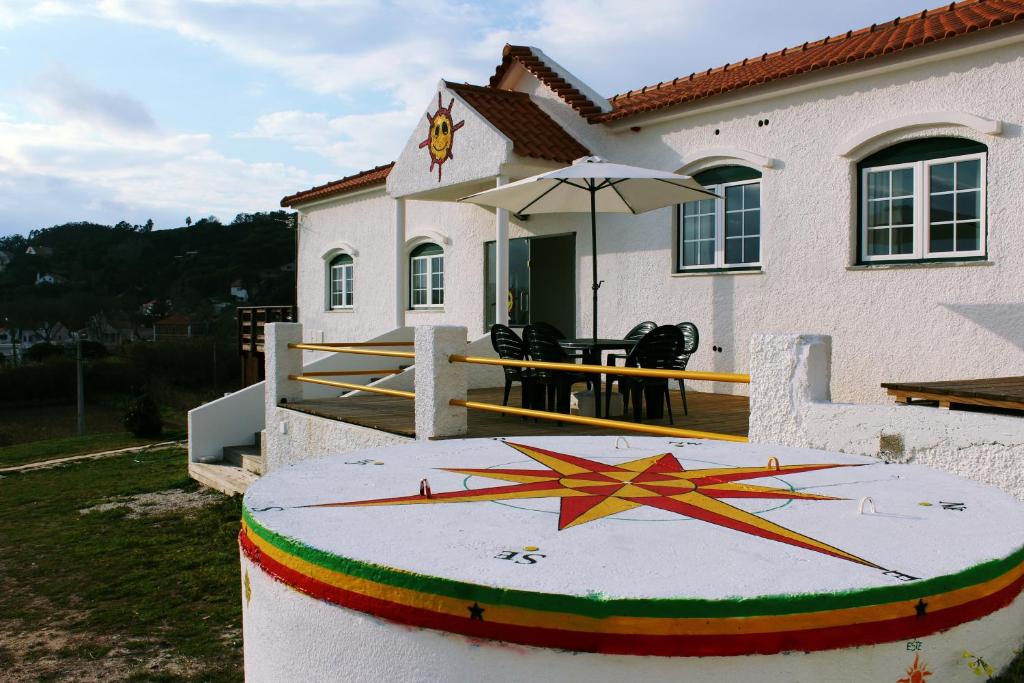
point(398, 314)
point(501, 261)
point(281, 362)
point(438, 381)
point(787, 373)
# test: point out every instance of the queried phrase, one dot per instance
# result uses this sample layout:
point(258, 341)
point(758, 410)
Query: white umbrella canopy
point(593, 185)
point(617, 188)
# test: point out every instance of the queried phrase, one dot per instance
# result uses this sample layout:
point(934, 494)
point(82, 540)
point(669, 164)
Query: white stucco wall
point(888, 324)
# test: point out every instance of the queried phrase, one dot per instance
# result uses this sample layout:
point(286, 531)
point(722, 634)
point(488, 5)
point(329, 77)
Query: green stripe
point(599, 606)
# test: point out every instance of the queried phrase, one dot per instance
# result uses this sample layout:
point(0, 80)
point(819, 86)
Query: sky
point(161, 109)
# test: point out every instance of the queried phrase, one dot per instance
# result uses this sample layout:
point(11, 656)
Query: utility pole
point(81, 387)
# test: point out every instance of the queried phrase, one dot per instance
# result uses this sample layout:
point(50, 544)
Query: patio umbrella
point(593, 185)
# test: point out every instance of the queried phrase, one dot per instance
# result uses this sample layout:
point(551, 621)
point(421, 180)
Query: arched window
point(426, 276)
point(722, 233)
point(340, 282)
point(923, 200)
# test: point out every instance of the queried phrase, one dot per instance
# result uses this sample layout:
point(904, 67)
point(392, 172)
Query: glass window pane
point(878, 213)
point(941, 178)
point(967, 236)
point(878, 242)
point(941, 238)
point(707, 206)
point(690, 227)
point(734, 197)
point(734, 224)
point(942, 208)
point(968, 205)
point(903, 211)
point(903, 182)
point(707, 227)
point(752, 249)
point(707, 252)
point(878, 184)
point(691, 208)
point(752, 196)
point(902, 241)
point(690, 254)
point(752, 223)
point(734, 250)
point(968, 174)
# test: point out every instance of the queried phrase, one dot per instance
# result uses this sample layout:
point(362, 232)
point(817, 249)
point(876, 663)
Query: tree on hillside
point(148, 227)
point(188, 221)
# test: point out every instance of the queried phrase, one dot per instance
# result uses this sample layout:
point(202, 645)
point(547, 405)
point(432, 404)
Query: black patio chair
point(555, 333)
point(509, 346)
point(691, 338)
point(541, 346)
point(658, 349)
point(635, 334)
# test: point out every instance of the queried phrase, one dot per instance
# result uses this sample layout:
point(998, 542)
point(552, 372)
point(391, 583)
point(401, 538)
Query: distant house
point(174, 326)
point(238, 291)
point(38, 251)
point(48, 279)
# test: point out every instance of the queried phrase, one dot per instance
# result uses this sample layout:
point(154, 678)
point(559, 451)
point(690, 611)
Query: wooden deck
point(1006, 393)
point(719, 413)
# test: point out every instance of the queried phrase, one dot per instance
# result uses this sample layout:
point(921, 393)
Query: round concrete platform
point(399, 563)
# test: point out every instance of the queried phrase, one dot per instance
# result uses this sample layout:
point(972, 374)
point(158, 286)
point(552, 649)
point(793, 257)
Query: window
point(340, 272)
point(923, 200)
point(722, 233)
point(426, 276)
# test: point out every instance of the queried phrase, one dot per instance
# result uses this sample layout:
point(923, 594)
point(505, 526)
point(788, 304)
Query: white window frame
point(346, 290)
point(922, 210)
point(719, 262)
point(428, 260)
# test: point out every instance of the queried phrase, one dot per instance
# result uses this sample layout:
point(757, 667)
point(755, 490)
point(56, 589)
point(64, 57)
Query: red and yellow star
point(591, 490)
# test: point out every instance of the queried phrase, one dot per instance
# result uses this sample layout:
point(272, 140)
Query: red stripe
point(828, 638)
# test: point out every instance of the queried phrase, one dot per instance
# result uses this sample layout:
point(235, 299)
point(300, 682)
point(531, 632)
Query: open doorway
point(541, 279)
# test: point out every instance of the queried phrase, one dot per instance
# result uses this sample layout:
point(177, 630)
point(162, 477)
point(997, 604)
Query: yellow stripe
point(520, 616)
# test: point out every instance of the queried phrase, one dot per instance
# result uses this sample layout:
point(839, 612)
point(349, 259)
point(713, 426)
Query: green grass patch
point(49, 449)
point(166, 584)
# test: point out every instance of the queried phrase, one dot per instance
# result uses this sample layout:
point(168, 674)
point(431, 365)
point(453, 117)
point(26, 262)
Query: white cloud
point(61, 95)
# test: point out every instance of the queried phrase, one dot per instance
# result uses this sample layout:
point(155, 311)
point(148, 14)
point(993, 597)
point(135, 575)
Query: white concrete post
point(399, 265)
point(281, 362)
point(787, 372)
point(438, 381)
point(501, 261)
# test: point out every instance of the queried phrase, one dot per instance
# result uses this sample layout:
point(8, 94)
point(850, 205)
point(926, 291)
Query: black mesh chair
point(541, 346)
point(658, 349)
point(509, 346)
point(691, 340)
point(634, 334)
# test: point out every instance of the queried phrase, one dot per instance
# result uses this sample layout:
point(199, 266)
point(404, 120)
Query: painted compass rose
point(591, 490)
point(440, 135)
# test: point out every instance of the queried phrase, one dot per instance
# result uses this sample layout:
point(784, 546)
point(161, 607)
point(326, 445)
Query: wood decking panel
point(1001, 392)
point(721, 413)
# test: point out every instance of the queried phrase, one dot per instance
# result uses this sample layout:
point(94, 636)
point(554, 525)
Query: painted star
point(591, 490)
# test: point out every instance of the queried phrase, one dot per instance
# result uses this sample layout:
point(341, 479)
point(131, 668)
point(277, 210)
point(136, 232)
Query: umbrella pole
point(593, 253)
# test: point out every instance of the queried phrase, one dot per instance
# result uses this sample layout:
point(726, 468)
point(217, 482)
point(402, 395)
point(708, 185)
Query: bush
point(93, 349)
point(37, 353)
point(143, 418)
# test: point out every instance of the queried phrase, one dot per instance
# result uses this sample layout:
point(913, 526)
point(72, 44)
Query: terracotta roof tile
point(523, 55)
point(902, 33)
point(374, 176)
point(532, 132)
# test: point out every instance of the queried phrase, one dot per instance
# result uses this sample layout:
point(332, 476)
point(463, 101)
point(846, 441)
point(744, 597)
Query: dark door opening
point(542, 282)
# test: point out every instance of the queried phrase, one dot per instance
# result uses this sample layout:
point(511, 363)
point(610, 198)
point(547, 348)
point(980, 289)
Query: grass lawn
point(36, 451)
point(116, 595)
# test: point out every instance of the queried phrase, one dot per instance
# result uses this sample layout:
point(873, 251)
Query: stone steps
point(226, 478)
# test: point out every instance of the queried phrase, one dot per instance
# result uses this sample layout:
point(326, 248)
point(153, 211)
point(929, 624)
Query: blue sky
point(120, 110)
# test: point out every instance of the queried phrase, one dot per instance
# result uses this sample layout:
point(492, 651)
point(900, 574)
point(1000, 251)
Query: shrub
point(143, 417)
point(37, 353)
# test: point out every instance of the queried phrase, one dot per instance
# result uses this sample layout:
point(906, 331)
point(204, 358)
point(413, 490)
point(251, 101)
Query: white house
point(869, 187)
point(870, 184)
point(239, 291)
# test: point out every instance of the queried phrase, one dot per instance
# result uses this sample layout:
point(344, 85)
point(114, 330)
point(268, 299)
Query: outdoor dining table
point(592, 349)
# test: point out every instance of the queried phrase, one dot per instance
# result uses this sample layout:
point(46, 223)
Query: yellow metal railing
point(605, 369)
point(356, 350)
point(353, 387)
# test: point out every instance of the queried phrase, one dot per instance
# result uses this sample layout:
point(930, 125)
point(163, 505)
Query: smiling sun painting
point(441, 135)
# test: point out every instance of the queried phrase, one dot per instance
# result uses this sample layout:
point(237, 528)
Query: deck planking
point(721, 413)
point(994, 392)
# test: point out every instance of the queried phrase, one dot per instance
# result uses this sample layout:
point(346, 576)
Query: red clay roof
point(523, 55)
point(902, 33)
point(532, 132)
point(373, 176)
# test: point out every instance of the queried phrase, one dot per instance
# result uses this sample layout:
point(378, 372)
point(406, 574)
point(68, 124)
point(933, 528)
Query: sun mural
point(591, 490)
point(917, 673)
point(440, 135)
